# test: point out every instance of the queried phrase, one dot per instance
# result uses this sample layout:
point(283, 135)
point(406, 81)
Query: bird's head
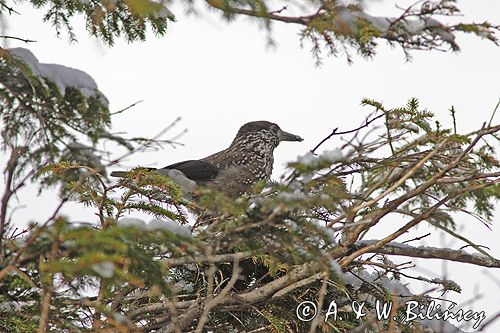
point(264, 131)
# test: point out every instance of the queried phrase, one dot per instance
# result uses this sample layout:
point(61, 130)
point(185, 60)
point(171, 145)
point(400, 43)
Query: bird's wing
point(197, 170)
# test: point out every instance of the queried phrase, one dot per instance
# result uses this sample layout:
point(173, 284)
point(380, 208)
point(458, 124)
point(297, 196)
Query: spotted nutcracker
point(235, 169)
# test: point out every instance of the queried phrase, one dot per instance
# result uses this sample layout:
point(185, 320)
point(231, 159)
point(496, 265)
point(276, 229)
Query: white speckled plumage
point(250, 156)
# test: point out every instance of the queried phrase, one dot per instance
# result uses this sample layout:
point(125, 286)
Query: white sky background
point(217, 76)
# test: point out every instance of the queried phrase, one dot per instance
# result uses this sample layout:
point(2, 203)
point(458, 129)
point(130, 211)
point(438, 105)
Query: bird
point(234, 170)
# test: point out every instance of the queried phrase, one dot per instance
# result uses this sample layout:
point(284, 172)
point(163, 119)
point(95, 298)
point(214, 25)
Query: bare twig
point(18, 38)
point(271, 15)
point(212, 302)
point(494, 112)
point(48, 288)
point(44, 315)
point(246, 298)
point(417, 238)
point(322, 292)
point(328, 137)
point(9, 9)
point(334, 132)
point(126, 108)
point(144, 145)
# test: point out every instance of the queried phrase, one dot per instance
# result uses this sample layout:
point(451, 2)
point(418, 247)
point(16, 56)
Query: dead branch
point(428, 252)
point(248, 298)
point(18, 38)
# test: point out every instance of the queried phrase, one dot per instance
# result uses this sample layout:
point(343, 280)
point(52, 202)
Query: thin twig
point(9, 9)
point(210, 303)
point(334, 132)
point(125, 109)
point(18, 38)
point(416, 238)
point(494, 112)
point(142, 146)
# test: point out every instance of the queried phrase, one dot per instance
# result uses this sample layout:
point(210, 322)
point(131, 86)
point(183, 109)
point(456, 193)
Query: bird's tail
point(119, 174)
point(124, 174)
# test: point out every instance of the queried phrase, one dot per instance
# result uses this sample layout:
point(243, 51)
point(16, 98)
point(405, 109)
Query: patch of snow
point(418, 25)
point(132, 222)
point(381, 23)
point(288, 196)
point(68, 243)
point(330, 233)
point(438, 164)
point(332, 156)
point(367, 242)
point(484, 33)
point(165, 13)
point(335, 267)
point(187, 185)
point(13, 305)
point(191, 267)
point(348, 18)
point(412, 127)
point(415, 26)
point(187, 287)
point(106, 269)
point(156, 224)
point(307, 159)
point(461, 172)
point(61, 76)
point(28, 58)
point(392, 285)
point(391, 176)
point(324, 196)
point(307, 177)
point(292, 225)
point(169, 225)
point(120, 318)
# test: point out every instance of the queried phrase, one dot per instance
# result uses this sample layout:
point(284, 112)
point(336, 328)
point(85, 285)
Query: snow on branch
point(341, 27)
point(429, 252)
point(62, 76)
point(386, 25)
point(156, 224)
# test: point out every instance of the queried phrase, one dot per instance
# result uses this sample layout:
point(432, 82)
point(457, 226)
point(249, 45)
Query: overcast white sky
point(218, 76)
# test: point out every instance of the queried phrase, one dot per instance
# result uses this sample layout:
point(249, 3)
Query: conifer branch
point(428, 252)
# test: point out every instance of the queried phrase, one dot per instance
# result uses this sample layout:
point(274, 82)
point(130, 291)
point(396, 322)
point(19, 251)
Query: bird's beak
point(285, 136)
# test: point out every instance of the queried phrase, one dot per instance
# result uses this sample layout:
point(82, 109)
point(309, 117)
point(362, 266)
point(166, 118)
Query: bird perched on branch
point(235, 169)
